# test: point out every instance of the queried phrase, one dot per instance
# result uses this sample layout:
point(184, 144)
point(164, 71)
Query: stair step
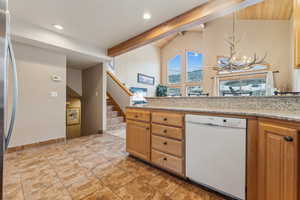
point(110, 108)
point(110, 104)
point(111, 114)
point(115, 120)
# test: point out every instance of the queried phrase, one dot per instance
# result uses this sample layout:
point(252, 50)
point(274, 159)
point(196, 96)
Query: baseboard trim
point(37, 144)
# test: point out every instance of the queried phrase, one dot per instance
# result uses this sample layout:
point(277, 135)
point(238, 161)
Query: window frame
point(180, 90)
point(189, 86)
point(187, 63)
point(240, 77)
point(183, 84)
point(167, 69)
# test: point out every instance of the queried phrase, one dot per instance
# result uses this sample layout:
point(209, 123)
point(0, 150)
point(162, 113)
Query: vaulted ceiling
point(101, 22)
point(267, 10)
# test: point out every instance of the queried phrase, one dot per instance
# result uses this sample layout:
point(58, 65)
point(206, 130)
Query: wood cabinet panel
point(297, 32)
point(167, 131)
point(138, 139)
point(168, 162)
point(277, 163)
point(172, 119)
point(166, 145)
point(141, 115)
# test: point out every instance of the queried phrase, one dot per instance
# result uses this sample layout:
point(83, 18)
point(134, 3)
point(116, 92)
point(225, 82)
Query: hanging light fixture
point(235, 62)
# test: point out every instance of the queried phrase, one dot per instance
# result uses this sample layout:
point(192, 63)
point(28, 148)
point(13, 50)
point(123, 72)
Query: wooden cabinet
point(277, 162)
point(167, 161)
point(167, 139)
point(139, 115)
point(170, 119)
point(167, 131)
point(166, 145)
point(297, 32)
point(138, 139)
point(158, 137)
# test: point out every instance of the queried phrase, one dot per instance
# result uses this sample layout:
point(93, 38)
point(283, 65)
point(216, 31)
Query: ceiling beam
point(196, 16)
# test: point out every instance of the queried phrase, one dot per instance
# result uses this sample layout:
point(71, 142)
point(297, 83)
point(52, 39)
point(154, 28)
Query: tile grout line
point(60, 179)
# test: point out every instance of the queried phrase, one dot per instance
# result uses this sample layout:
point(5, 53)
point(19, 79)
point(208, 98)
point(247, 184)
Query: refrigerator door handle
point(15, 93)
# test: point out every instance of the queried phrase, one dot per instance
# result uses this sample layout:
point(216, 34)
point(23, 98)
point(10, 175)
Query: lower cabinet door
point(277, 163)
point(138, 139)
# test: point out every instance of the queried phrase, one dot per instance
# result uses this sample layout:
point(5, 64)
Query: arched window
point(194, 68)
point(174, 70)
point(184, 74)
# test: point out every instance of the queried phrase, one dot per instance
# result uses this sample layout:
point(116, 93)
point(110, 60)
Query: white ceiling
point(79, 61)
point(103, 23)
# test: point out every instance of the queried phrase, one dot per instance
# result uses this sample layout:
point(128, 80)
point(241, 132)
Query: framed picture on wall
point(73, 116)
point(145, 79)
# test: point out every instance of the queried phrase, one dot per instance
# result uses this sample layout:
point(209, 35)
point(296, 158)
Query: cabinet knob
point(288, 138)
point(165, 159)
point(165, 131)
point(147, 128)
point(165, 119)
point(165, 143)
point(136, 116)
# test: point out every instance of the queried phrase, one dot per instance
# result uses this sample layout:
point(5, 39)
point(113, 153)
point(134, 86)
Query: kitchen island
point(156, 133)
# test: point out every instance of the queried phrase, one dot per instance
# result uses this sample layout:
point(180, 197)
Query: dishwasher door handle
point(205, 124)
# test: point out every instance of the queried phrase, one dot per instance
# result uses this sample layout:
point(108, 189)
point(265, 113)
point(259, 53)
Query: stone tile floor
point(93, 168)
point(119, 133)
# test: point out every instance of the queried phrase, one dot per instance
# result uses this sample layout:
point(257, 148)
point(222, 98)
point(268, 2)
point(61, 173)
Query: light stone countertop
point(266, 114)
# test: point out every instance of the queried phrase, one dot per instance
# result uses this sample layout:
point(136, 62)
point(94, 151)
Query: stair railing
point(118, 91)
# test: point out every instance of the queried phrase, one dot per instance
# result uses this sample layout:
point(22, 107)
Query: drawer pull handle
point(165, 119)
point(165, 159)
point(165, 143)
point(288, 138)
point(147, 128)
point(165, 131)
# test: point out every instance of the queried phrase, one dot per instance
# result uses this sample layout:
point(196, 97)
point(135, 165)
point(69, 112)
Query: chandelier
point(235, 62)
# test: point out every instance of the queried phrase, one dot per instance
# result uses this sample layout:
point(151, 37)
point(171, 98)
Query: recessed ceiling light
point(147, 16)
point(57, 26)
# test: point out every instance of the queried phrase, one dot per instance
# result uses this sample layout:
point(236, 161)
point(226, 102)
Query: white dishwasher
point(216, 153)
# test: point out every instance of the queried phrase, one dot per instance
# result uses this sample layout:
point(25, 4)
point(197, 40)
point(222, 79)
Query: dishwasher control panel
point(217, 121)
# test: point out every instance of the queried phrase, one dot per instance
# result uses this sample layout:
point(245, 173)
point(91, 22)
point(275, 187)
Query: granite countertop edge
point(293, 117)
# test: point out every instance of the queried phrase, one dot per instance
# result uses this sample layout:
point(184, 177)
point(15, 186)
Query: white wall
point(145, 60)
point(74, 80)
point(40, 117)
point(256, 36)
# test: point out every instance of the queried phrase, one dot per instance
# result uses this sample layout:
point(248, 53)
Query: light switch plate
point(56, 78)
point(54, 94)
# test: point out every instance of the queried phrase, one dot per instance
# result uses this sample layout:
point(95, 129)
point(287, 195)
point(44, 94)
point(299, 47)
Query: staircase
point(115, 119)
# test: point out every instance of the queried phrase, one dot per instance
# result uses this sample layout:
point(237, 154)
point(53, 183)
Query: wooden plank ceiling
point(268, 10)
point(196, 16)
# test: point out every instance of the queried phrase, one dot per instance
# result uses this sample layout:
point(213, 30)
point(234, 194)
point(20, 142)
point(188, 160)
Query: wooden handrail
point(116, 80)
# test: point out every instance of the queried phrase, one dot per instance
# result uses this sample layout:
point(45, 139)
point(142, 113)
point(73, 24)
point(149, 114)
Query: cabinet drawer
point(167, 161)
point(167, 131)
point(140, 115)
point(172, 119)
point(167, 145)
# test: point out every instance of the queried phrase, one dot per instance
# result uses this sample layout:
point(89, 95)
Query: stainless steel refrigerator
point(6, 60)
